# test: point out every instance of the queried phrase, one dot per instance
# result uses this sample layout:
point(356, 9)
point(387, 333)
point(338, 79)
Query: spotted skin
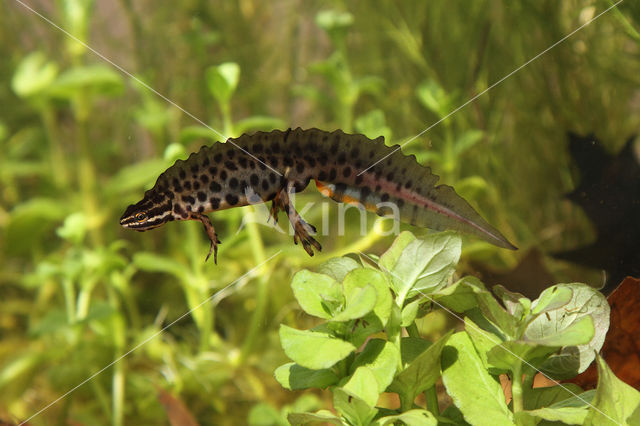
point(222, 176)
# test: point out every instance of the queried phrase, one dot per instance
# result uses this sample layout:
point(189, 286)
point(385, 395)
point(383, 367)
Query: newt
point(269, 166)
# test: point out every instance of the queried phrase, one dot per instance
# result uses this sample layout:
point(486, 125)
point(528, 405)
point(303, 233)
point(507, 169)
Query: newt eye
point(141, 217)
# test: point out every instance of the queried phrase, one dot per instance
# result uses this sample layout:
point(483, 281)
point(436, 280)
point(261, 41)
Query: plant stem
point(516, 393)
point(431, 396)
point(412, 330)
point(257, 247)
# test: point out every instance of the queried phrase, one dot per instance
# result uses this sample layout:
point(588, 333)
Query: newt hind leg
point(302, 229)
point(211, 233)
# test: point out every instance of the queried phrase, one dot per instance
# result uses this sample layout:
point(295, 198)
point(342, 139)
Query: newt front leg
point(302, 229)
point(211, 233)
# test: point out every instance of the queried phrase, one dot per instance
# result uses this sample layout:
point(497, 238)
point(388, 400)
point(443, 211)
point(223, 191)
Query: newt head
point(154, 210)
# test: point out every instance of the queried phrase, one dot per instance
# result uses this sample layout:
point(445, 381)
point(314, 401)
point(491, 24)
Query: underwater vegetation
point(99, 325)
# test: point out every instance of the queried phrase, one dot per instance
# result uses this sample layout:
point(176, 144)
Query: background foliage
point(79, 141)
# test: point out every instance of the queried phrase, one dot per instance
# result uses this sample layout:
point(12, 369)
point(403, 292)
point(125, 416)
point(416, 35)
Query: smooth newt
point(222, 176)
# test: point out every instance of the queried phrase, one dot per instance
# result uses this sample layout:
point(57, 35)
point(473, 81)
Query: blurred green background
point(80, 140)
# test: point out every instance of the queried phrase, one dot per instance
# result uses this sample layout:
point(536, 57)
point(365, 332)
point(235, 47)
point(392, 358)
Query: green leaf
point(365, 327)
point(507, 355)
point(258, 122)
point(467, 140)
point(33, 75)
point(222, 80)
point(189, 134)
point(352, 408)
point(460, 296)
point(615, 402)
point(552, 298)
point(411, 417)
point(409, 313)
point(412, 347)
point(98, 79)
point(321, 416)
point(364, 385)
point(474, 391)
point(313, 349)
point(359, 301)
point(547, 396)
point(157, 263)
point(434, 98)
point(366, 277)
point(495, 313)
point(421, 373)
point(318, 294)
point(566, 403)
point(135, 176)
point(381, 358)
point(517, 305)
point(421, 265)
point(294, 377)
point(338, 267)
point(373, 125)
point(578, 333)
point(585, 302)
point(483, 341)
point(264, 414)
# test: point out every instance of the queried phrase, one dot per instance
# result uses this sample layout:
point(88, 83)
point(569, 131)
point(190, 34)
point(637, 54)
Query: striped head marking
point(152, 211)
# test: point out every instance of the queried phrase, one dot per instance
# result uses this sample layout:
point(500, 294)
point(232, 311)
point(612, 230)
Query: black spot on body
point(233, 183)
point(364, 193)
point(196, 185)
point(213, 171)
point(215, 203)
point(272, 177)
point(204, 179)
point(230, 165)
point(346, 172)
point(223, 175)
point(200, 209)
point(300, 167)
point(188, 199)
point(390, 177)
point(195, 168)
point(254, 179)
point(400, 203)
point(231, 199)
point(242, 161)
point(202, 196)
point(342, 158)
point(358, 179)
point(257, 148)
point(332, 174)
point(288, 161)
point(215, 187)
point(384, 197)
point(217, 158)
point(182, 174)
point(205, 162)
point(265, 184)
point(231, 153)
point(322, 176)
point(408, 184)
point(187, 185)
point(354, 153)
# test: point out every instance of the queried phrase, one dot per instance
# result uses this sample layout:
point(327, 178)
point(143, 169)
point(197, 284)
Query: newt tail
point(269, 166)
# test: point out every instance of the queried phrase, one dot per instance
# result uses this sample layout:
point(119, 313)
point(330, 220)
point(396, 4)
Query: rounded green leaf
point(421, 265)
point(294, 377)
point(363, 277)
point(99, 79)
point(33, 75)
point(551, 327)
point(318, 294)
point(382, 358)
point(358, 303)
point(364, 385)
point(222, 80)
point(474, 391)
point(313, 349)
point(338, 267)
